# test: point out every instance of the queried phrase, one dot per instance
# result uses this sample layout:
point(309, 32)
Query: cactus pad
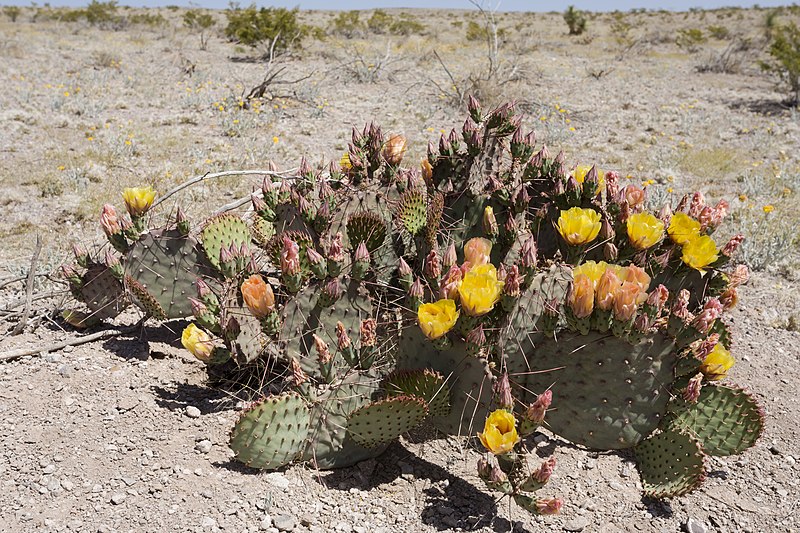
point(102, 292)
point(262, 230)
point(725, 420)
point(670, 463)
point(412, 211)
point(366, 227)
point(223, 231)
point(161, 268)
point(383, 421)
point(272, 433)
point(426, 384)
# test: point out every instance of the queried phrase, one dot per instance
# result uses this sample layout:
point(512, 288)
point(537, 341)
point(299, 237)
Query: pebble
point(284, 522)
point(203, 446)
point(577, 524)
point(695, 526)
point(277, 480)
point(266, 522)
point(193, 412)
point(118, 498)
point(67, 485)
point(208, 523)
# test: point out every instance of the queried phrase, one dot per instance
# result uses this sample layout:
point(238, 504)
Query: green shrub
point(252, 27)
point(785, 51)
point(199, 21)
point(405, 24)
point(347, 24)
point(576, 20)
point(379, 22)
point(719, 32)
point(480, 32)
point(156, 20)
point(690, 39)
point(101, 13)
point(12, 12)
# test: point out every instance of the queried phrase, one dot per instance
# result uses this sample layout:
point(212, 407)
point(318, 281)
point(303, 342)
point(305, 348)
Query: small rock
point(576, 524)
point(67, 485)
point(53, 357)
point(277, 480)
point(193, 412)
point(208, 523)
point(266, 522)
point(118, 498)
point(694, 526)
point(203, 446)
point(284, 522)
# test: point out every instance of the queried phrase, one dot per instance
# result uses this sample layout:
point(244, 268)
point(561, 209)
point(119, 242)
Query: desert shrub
point(576, 20)
point(156, 20)
point(347, 24)
point(12, 12)
point(382, 22)
point(482, 32)
point(719, 32)
point(731, 59)
point(379, 22)
point(101, 13)
point(690, 39)
point(785, 62)
point(276, 27)
point(200, 22)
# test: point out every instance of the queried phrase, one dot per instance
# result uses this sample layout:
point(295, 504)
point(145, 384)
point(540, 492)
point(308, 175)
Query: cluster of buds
point(234, 260)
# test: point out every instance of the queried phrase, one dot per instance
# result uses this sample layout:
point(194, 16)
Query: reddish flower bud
point(342, 339)
point(502, 391)
point(732, 245)
point(450, 256)
point(692, 391)
point(711, 311)
point(110, 221)
point(433, 265)
point(545, 470)
point(369, 336)
point(537, 410)
point(290, 257)
point(739, 276)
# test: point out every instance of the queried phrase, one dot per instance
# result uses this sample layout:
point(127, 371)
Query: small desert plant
point(275, 27)
point(576, 20)
point(719, 32)
point(199, 21)
point(347, 24)
point(730, 60)
point(12, 12)
point(785, 52)
point(155, 21)
point(690, 39)
point(101, 13)
point(382, 23)
point(379, 22)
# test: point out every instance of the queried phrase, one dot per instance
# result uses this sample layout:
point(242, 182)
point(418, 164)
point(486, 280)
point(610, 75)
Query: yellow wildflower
point(138, 200)
point(716, 364)
point(700, 252)
point(581, 170)
point(683, 228)
point(480, 290)
point(592, 270)
point(344, 163)
point(768, 208)
point(499, 433)
point(579, 226)
point(438, 318)
point(198, 342)
point(644, 230)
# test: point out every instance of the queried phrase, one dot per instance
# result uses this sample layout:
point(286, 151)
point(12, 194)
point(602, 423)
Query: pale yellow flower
point(437, 318)
point(499, 433)
point(581, 296)
point(579, 226)
point(198, 342)
point(644, 230)
point(138, 200)
point(480, 290)
point(716, 364)
point(580, 174)
point(593, 270)
point(477, 251)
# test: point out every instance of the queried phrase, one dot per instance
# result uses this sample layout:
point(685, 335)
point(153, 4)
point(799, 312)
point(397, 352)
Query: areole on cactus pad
point(488, 283)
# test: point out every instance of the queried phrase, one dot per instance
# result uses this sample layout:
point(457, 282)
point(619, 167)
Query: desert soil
point(125, 435)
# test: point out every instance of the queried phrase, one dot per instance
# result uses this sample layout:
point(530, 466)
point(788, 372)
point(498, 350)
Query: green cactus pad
point(725, 420)
point(383, 421)
point(102, 292)
point(262, 230)
point(272, 433)
point(330, 445)
point(426, 384)
point(467, 377)
point(670, 463)
point(162, 267)
point(223, 230)
point(434, 219)
point(412, 211)
point(303, 316)
point(607, 393)
point(366, 227)
point(244, 334)
point(289, 219)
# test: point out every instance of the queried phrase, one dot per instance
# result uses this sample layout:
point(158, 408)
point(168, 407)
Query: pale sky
point(504, 5)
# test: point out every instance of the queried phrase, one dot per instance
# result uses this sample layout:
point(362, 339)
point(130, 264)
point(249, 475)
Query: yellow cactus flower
point(437, 318)
point(344, 163)
point(716, 364)
point(198, 342)
point(477, 251)
point(499, 433)
point(683, 228)
point(138, 200)
point(580, 175)
point(480, 290)
point(700, 252)
point(644, 230)
point(591, 269)
point(581, 296)
point(579, 226)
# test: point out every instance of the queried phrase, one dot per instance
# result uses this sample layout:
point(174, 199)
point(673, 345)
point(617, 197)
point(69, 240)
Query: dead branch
point(20, 327)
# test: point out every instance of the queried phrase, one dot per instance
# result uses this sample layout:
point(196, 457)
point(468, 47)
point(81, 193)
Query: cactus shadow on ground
point(186, 394)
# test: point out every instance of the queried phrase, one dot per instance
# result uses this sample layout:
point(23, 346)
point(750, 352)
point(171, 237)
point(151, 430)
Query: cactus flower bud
point(198, 342)
point(732, 245)
point(538, 409)
point(692, 391)
point(198, 307)
point(610, 251)
point(343, 341)
point(607, 287)
point(448, 286)
point(450, 256)
point(705, 320)
point(394, 150)
point(474, 108)
point(258, 296)
point(634, 197)
point(477, 251)
point(545, 470)
point(369, 335)
point(259, 205)
point(720, 212)
point(427, 172)
point(305, 168)
point(739, 276)
point(548, 506)
point(729, 298)
point(697, 204)
point(625, 301)
point(502, 391)
point(81, 255)
point(314, 257)
point(642, 323)
point(336, 250)
point(612, 185)
point(416, 291)
point(138, 200)
point(680, 307)
point(298, 375)
point(323, 352)
point(485, 465)
point(581, 296)
point(702, 347)
point(528, 254)
point(512, 282)
point(362, 254)
point(332, 291)
point(490, 226)
point(476, 336)
point(497, 476)
point(658, 298)
point(290, 257)
point(433, 265)
point(109, 221)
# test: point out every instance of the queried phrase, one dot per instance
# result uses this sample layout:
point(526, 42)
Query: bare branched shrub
point(737, 53)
